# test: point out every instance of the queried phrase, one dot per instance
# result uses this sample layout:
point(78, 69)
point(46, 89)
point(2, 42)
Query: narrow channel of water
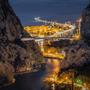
point(34, 81)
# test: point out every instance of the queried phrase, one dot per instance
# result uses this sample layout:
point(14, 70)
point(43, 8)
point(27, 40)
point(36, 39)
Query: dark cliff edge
point(15, 55)
point(85, 28)
point(78, 55)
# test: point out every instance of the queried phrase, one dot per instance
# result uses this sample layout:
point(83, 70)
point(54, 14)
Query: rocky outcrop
point(76, 56)
point(85, 25)
point(20, 55)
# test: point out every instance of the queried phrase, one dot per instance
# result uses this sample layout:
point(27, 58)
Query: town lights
point(46, 34)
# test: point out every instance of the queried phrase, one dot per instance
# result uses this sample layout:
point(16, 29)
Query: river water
point(34, 81)
point(30, 81)
point(59, 10)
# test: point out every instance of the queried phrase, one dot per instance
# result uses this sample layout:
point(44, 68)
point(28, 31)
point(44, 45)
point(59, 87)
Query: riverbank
point(21, 74)
point(27, 81)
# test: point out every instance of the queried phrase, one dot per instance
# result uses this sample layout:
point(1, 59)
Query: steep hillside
point(79, 53)
point(85, 28)
point(15, 55)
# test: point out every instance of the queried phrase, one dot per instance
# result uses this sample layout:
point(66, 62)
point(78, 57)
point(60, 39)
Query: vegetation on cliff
point(15, 55)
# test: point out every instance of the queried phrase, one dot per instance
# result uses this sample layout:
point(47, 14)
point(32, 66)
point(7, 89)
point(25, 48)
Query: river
point(34, 81)
point(30, 81)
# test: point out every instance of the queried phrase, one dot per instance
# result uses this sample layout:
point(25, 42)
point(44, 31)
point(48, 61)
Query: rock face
point(85, 27)
point(20, 55)
point(76, 56)
point(10, 27)
point(79, 54)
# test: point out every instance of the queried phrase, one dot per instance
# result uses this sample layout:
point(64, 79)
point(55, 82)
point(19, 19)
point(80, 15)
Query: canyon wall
point(15, 55)
point(78, 55)
point(85, 25)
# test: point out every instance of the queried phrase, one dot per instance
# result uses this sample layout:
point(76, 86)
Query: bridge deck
point(60, 38)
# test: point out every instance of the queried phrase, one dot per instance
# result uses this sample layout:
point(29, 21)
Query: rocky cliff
point(85, 27)
point(15, 55)
point(78, 55)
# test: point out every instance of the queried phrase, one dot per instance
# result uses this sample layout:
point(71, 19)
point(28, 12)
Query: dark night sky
point(59, 10)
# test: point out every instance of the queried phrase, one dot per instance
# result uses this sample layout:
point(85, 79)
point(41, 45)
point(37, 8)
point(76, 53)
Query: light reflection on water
point(34, 81)
point(53, 66)
point(52, 70)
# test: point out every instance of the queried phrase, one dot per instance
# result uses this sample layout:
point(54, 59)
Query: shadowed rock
point(79, 54)
point(76, 56)
point(20, 55)
point(85, 27)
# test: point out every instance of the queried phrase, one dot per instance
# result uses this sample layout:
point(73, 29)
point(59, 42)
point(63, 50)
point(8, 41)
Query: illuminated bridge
point(70, 34)
point(49, 33)
point(53, 32)
point(63, 35)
